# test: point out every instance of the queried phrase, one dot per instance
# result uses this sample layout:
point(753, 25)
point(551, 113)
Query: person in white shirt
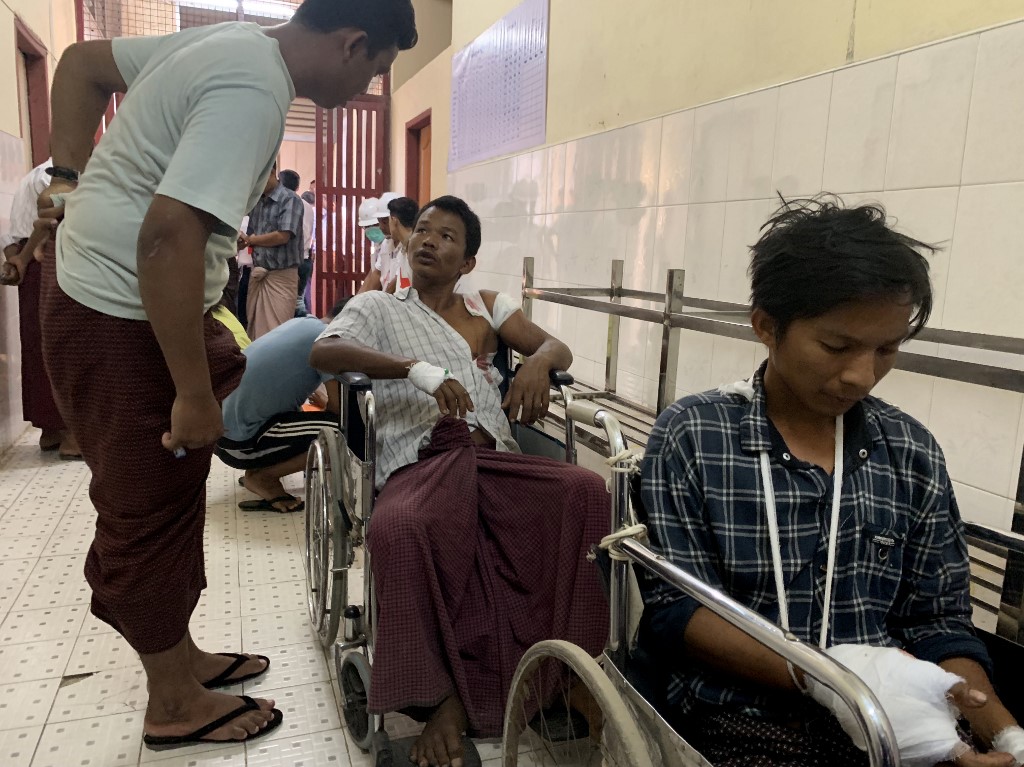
point(21, 249)
point(137, 359)
point(396, 273)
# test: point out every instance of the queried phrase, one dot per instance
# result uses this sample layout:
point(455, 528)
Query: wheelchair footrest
point(402, 747)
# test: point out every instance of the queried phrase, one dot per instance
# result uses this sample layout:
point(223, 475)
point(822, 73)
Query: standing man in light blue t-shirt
point(140, 365)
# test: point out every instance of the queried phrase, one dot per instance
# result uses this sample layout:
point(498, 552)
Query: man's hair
point(405, 210)
point(471, 220)
point(309, 197)
point(816, 255)
point(336, 309)
point(289, 180)
point(386, 22)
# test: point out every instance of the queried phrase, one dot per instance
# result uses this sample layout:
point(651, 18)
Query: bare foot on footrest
point(440, 743)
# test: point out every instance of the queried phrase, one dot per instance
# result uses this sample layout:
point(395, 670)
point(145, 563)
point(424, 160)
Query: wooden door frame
point(412, 154)
point(36, 76)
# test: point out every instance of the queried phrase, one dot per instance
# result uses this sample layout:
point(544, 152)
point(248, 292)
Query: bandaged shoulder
point(504, 307)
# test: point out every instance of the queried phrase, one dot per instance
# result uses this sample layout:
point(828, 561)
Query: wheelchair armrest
point(562, 378)
point(558, 377)
point(356, 382)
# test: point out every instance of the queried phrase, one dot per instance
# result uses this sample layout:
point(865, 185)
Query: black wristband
point(68, 174)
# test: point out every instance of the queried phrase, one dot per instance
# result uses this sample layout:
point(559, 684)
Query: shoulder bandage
point(912, 694)
point(428, 378)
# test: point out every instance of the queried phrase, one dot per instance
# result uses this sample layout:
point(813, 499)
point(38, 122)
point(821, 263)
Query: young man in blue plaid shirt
point(739, 485)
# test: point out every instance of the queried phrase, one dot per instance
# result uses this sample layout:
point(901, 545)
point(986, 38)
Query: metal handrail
point(1001, 538)
point(961, 338)
point(873, 723)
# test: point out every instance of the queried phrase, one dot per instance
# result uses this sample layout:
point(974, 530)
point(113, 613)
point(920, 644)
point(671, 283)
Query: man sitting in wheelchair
point(739, 485)
point(477, 551)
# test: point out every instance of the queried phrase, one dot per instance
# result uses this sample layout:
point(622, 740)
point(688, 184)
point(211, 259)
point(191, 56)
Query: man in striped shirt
point(477, 551)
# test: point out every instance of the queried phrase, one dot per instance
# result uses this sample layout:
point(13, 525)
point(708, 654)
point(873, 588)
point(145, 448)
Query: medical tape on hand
point(428, 378)
point(1010, 741)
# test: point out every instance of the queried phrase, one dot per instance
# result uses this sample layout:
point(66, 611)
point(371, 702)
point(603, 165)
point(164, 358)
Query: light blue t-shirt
point(278, 378)
point(201, 123)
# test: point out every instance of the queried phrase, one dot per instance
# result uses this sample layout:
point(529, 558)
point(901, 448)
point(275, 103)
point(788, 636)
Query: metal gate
point(352, 164)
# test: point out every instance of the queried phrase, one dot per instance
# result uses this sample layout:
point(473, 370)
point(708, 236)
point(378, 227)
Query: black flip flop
point(265, 505)
point(165, 742)
point(223, 679)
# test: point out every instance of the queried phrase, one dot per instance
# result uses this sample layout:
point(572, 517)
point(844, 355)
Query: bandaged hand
point(1010, 741)
point(452, 397)
point(428, 378)
point(913, 694)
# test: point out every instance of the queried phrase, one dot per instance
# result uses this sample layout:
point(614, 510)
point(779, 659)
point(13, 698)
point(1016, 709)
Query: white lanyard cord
point(833, 535)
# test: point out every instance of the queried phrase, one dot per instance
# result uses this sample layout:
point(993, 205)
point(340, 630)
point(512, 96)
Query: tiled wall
point(12, 168)
point(935, 134)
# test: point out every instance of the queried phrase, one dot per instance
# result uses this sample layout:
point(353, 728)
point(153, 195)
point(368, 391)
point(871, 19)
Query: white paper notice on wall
point(500, 88)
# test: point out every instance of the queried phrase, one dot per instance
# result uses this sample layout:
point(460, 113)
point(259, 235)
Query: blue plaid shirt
point(902, 571)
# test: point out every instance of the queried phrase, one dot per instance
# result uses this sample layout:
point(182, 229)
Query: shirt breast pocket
point(881, 562)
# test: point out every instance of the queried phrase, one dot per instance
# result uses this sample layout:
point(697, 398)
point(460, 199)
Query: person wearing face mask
point(375, 219)
point(824, 509)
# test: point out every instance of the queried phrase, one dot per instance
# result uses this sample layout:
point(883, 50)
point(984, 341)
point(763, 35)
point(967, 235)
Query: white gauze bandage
point(428, 378)
point(1010, 741)
point(912, 694)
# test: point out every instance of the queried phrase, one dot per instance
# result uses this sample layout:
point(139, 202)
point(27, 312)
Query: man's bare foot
point(582, 700)
point(207, 666)
point(440, 743)
point(49, 440)
point(183, 719)
point(69, 449)
point(268, 489)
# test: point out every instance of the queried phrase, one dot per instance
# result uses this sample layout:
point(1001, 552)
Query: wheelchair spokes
point(563, 711)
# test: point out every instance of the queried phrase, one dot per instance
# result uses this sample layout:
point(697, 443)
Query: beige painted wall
point(432, 90)
point(434, 25)
point(299, 156)
point(613, 63)
point(53, 22)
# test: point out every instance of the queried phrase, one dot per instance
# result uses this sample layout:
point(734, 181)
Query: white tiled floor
point(71, 690)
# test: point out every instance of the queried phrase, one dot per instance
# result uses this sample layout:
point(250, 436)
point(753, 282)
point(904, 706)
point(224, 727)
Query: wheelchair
point(626, 682)
point(340, 491)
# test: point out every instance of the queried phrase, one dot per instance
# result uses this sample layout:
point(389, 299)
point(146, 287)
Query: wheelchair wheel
point(563, 710)
point(354, 682)
point(328, 579)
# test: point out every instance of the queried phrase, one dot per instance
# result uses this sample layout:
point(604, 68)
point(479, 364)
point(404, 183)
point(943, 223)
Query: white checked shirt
point(402, 325)
point(23, 209)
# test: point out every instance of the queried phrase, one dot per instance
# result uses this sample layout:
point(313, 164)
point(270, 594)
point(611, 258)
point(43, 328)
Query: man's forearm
point(337, 356)
point(272, 240)
point(990, 719)
point(37, 238)
point(372, 282)
point(172, 285)
point(554, 354)
point(717, 643)
point(85, 80)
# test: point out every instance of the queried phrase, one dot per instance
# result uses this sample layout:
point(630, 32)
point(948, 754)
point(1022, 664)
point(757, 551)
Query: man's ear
point(765, 327)
point(468, 265)
point(351, 41)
